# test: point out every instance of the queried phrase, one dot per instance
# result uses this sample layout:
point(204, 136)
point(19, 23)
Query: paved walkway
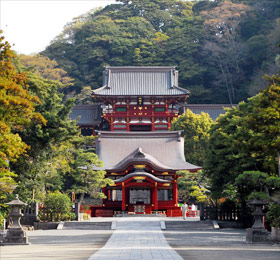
point(137, 238)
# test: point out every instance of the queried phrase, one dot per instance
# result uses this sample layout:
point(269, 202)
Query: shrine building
point(139, 153)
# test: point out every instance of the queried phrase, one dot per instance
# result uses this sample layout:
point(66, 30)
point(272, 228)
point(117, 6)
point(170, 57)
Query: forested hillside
point(222, 48)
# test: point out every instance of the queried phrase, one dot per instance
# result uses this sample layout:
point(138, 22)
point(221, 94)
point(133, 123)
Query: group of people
point(185, 209)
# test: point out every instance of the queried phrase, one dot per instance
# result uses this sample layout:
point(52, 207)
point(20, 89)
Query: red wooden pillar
point(153, 124)
point(127, 124)
point(153, 118)
point(127, 115)
point(155, 197)
point(127, 196)
point(123, 197)
point(175, 193)
point(111, 124)
point(109, 194)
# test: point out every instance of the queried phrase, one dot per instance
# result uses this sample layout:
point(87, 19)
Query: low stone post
point(77, 210)
point(15, 234)
point(257, 233)
point(201, 211)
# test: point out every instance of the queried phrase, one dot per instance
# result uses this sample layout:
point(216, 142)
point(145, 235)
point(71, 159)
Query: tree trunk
point(33, 195)
point(81, 198)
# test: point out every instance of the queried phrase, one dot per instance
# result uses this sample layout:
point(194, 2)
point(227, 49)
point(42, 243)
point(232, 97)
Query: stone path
point(137, 238)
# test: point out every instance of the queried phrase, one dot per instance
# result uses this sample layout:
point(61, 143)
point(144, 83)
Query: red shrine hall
point(139, 153)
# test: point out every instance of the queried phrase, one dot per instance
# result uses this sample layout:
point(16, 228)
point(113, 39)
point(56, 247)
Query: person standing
point(184, 209)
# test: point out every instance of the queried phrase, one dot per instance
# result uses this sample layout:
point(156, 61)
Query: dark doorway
point(140, 128)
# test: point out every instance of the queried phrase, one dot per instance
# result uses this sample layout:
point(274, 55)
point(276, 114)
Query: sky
point(31, 25)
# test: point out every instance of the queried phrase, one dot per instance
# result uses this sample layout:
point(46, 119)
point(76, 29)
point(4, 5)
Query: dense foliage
point(244, 146)
point(57, 206)
point(196, 134)
point(222, 48)
point(41, 149)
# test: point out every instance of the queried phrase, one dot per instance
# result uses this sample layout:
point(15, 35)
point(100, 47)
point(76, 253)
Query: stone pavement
point(195, 243)
point(138, 238)
point(57, 245)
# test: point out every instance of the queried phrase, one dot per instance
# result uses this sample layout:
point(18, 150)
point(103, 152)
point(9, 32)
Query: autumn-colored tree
point(223, 47)
point(46, 68)
point(16, 111)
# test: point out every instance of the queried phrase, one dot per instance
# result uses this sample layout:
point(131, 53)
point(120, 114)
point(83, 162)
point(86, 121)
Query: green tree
point(41, 170)
point(192, 186)
point(17, 107)
point(260, 185)
point(87, 179)
point(196, 134)
point(58, 205)
point(245, 139)
point(133, 33)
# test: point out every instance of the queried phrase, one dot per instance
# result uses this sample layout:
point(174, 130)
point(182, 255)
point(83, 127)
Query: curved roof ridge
point(142, 174)
point(139, 156)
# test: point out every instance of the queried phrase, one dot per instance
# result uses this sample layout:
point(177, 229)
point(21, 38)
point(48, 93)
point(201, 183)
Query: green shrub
point(57, 206)
point(2, 217)
point(273, 215)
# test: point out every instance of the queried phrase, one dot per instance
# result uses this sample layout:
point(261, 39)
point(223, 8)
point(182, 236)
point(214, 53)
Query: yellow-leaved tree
point(16, 111)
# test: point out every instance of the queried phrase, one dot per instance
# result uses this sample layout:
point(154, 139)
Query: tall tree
point(88, 180)
point(223, 47)
point(245, 139)
point(17, 110)
point(48, 143)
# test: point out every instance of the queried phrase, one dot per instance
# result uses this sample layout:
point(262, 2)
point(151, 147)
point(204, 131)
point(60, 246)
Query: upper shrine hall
point(140, 98)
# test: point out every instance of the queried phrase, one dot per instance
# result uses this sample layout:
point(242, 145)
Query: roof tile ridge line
point(147, 133)
point(109, 79)
point(182, 89)
point(99, 89)
point(171, 78)
point(139, 67)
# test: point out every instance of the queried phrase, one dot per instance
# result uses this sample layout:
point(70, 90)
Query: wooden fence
point(214, 213)
point(30, 214)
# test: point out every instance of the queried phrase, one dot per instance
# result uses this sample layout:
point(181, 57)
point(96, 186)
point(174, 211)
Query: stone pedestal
point(257, 235)
point(275, 234)
point(15, 234)
point(15, 237)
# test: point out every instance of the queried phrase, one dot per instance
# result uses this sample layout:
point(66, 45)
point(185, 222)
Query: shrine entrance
point(139, 196)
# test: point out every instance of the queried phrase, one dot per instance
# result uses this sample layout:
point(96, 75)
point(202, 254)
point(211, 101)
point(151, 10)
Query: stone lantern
point(257, 233)
point(15, 234)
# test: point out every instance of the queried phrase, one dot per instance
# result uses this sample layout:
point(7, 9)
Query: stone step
point(87, 225)
point(189, 225)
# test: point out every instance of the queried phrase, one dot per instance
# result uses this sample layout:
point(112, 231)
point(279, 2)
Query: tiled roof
point(214, 110)
point(167, 147)
point(140, 81)
point(138, 156)
point(89, 115)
